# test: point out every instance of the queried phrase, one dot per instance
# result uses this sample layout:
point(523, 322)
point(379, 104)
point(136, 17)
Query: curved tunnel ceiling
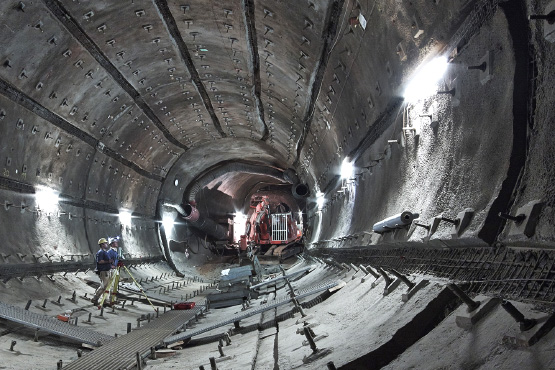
point(131, 114)
point(133, 108)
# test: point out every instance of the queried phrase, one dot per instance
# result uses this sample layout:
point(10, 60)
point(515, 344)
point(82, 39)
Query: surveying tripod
point(111, 289)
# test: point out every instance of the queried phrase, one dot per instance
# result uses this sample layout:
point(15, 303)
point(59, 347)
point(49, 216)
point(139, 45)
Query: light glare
point(47, 199)
point(125, 218)
point(424, 83)
point(347, 169)
point(167, 222)
point(320, 200)
point(239, 221)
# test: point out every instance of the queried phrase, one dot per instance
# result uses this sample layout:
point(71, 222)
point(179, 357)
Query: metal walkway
point(276, 279)
point(254, 311)
point(53, 326)
point(152, 293)
point(122, 351)
point(12, 270)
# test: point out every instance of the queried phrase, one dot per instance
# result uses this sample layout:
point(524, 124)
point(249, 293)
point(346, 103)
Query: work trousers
point(114, 274)
point(104, 279)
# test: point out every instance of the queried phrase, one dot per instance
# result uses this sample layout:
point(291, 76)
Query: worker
point(114, 253)
point(103, 267)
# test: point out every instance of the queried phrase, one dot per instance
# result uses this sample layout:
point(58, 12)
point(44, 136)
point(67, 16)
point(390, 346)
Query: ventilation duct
point(192, 215)
point(300, 190)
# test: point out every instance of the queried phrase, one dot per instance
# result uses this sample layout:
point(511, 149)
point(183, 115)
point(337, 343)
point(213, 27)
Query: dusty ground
point(335, 322)
point(46, 353)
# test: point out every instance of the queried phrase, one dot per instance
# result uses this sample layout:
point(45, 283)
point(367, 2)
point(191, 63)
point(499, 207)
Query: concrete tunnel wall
point(436, 173)
point(459, 164)
point(77, 118)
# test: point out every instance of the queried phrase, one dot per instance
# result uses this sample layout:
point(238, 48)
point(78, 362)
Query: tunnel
point(270, 184)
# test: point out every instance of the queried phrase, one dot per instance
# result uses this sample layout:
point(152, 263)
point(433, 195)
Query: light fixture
point(347, 168)
point(125, 217)
point(168, 222)
point(424, 83)
point(320, 200)
point(239, 219)
point(47, 199)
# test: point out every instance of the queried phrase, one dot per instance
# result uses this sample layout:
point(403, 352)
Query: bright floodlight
point(239, 220)
point(47, 199)
point(424, 83)
point(347, 169)
point(125, 218)
point(320, 200)
point(167, 222)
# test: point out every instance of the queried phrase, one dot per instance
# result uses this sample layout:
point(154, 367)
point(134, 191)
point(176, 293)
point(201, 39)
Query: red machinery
point(270, 225)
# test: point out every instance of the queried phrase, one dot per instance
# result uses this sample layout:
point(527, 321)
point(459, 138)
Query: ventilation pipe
point(205, 224)
point(213, 174)
point(299, 190)
point(394, 222)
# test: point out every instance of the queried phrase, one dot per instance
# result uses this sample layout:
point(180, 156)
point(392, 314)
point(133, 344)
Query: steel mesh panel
point(51, 325)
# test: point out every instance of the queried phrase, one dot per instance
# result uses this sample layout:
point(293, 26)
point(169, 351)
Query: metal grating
point(276, 279)
point(279, 226)
point(255, 311)
point(22, 270)
point(482, 12)
point(526, 275)
point(122, 351)
point(151, 295)
point(51, 325)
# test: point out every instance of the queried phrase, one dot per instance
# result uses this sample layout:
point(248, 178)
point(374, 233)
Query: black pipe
point(300, 190)
point(205, 224)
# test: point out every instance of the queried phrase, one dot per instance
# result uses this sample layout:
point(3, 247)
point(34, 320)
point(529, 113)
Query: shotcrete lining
point(538, 174)
point(406, 336)
point(517, 22)
point(223, 168)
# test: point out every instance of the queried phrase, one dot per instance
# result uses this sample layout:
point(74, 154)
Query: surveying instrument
point(111, 290)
